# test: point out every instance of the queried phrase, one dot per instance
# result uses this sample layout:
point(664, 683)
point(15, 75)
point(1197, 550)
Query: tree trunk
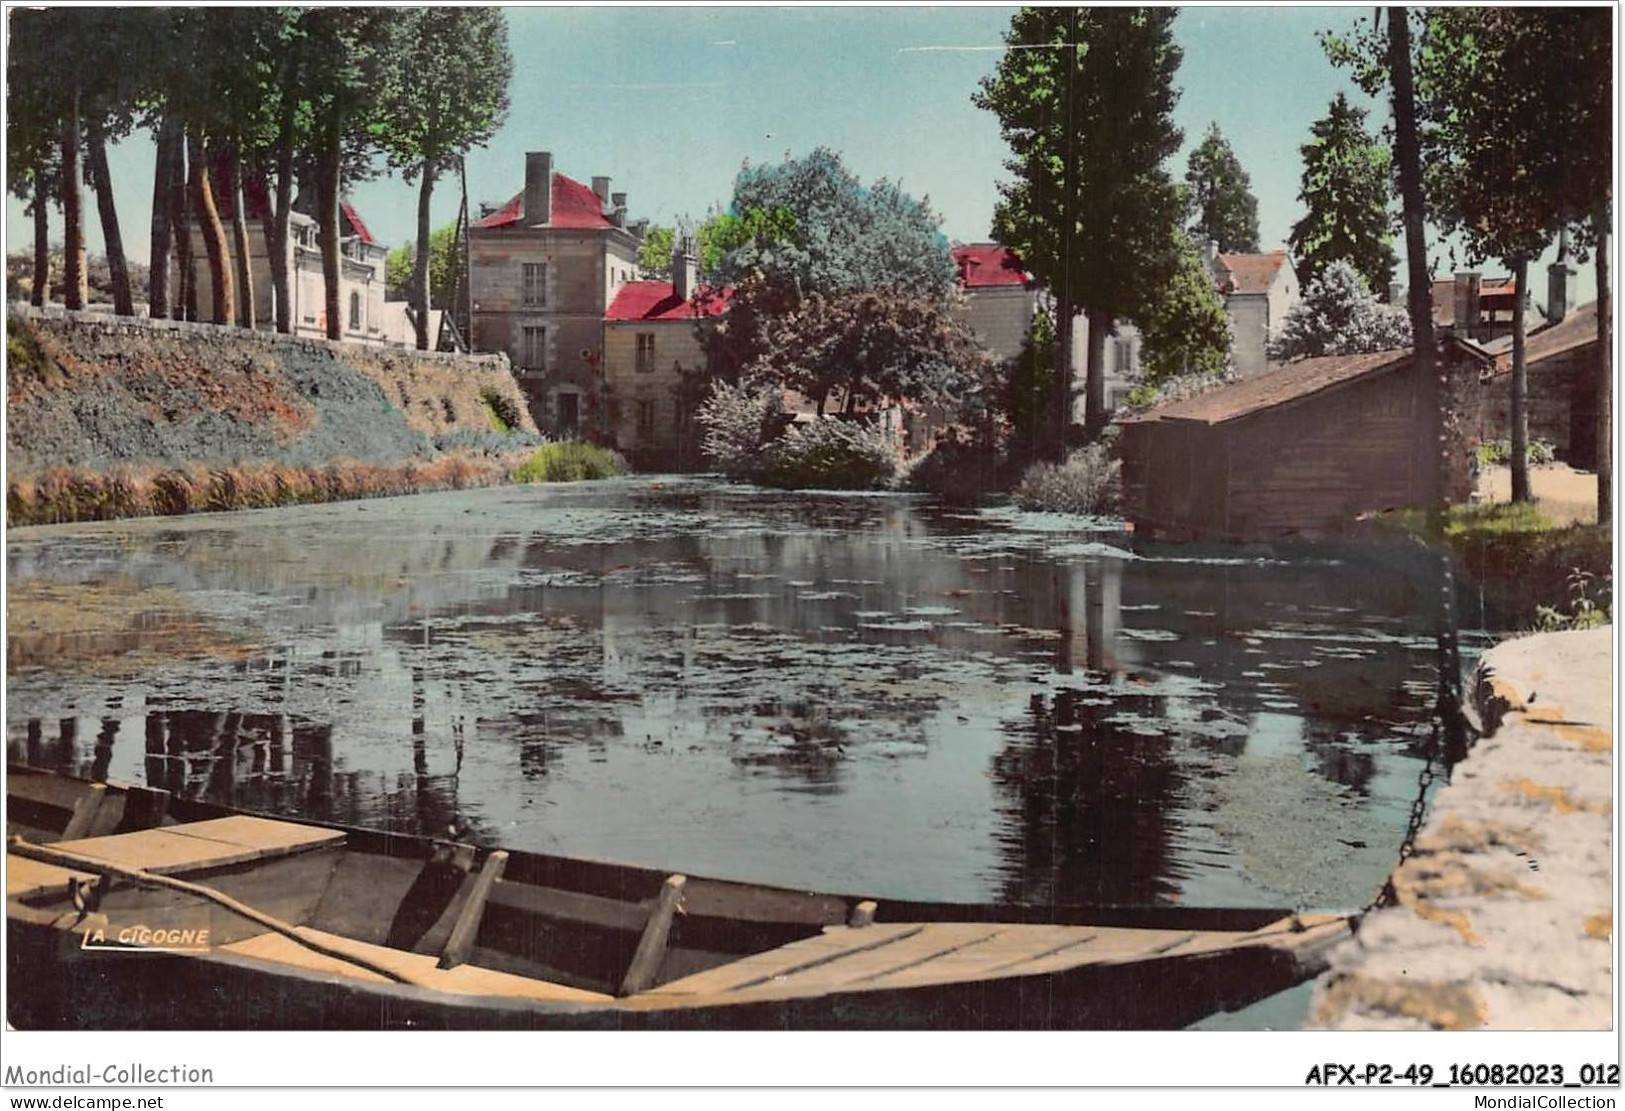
point(158, 301)
point(42, 241)
point(180, 217)
point(420, 265)
point(214, 233)
point(239, 240)
point(1094, 397)
point(1520, 388)
point(102, 181)
point(1409, 156)
point(74, 286)
point(1605, 372)
point(1062, 403)
point(327, 205)
point(281, 248)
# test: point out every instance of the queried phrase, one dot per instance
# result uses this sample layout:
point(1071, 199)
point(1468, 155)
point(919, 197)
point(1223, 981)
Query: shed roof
point(1576, 329)
point(1249, 273)
point(983, 265)
point(574, 206)
point(1278, 386)
point(659, 301)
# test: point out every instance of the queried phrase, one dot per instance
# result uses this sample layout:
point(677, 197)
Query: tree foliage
point(1345, 187)
point(811, 223)
point(1027, 394)
point(1184, 326)
point(1085, 101)
point(445, 260)
point(654, 253)
point(872, 346)
point(1339, 316)
point(1223, 208)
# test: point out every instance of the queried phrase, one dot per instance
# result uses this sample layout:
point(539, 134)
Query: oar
point(65, 858)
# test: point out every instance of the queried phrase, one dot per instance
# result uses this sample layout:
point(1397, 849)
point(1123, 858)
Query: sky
point(671, 101)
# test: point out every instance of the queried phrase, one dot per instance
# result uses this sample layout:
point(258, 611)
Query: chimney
point(617, 213)
point(1210, 251)
point(685, 277)
point(600, 185)
point(538, 203)
point(1466, 303)
point(1396, 293)
point(1559, 290)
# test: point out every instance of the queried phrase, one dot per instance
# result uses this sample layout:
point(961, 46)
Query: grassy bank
point(1533, 573)
point(62, 494)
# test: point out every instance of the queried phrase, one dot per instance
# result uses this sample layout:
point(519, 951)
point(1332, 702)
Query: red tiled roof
point(982, 265)
point(1278, 386)
point(1250, 273)
point(574, 206)
point(356, 225)
point(659, 301)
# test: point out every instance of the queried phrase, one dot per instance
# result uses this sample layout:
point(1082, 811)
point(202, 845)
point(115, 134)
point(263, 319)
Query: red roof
point(659, 301)
point(356, 225)
point(981, 265)
point(574, 206)
point(1249, 273)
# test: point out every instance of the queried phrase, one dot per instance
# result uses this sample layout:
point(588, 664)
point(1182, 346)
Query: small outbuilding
point(1300, 450)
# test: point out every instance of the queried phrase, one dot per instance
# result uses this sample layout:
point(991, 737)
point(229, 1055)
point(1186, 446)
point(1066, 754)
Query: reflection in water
point(849, 693)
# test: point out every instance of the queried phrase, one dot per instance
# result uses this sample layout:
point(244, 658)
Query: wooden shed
point(1303, 449)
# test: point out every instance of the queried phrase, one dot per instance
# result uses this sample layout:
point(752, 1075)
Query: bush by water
point(570, 461)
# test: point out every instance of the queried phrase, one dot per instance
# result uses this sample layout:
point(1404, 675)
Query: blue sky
point(671, 101)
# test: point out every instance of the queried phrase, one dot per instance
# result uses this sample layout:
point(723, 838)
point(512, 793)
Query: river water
point(867, 694)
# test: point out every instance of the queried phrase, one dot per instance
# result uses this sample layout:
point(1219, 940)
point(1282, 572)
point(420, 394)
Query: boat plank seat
point(209, 844)
point(834, 943)
point(26, 878)
point(417, 968)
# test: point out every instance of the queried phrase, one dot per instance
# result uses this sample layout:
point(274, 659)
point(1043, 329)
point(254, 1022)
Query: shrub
point(957, 469)
point(1589, 605)
point(1498, 453)
point(1086, 483)
point(830, 454)
point(736, 422)
point(500, 408)
point(570, 461)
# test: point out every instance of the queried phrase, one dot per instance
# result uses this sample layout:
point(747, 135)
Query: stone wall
point(91, 392)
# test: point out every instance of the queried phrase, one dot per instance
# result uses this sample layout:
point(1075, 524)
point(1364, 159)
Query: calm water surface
point(853, 693)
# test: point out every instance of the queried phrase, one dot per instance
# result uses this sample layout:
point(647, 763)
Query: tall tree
point(451, 96)
point(1223, 208)
point(32, 141)
point(1085, 101)
point(1184, 326)
point(350, 64)
point(1345, 187)
point(1496, 85)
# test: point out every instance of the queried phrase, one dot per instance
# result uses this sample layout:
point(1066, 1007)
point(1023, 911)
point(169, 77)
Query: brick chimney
point(538, 203)
point(685, 277)
point(1559, 287)
point(600, 185)
point(1396, 293)
point(1466, 302)
point(617, 213)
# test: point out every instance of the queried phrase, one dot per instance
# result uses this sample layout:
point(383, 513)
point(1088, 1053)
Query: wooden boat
point(127, 909)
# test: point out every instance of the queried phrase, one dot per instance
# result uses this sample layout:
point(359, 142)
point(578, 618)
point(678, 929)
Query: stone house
point(652, 356)
point(368, 318)
point(1258, 290)
point(544, 268)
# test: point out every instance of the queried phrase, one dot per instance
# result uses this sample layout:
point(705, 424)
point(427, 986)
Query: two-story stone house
point(1258, 290)
point(544, 269)
point(654, 363)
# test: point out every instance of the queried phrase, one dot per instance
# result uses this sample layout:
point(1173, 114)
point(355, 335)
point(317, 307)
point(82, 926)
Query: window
point(533, 350)
point(1123, 355)
point(355, 312)
point(535, 283)
point(646, 352)
point(646, 419)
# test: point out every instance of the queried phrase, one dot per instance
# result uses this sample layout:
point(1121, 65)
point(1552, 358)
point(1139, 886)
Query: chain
point(1419, 808)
